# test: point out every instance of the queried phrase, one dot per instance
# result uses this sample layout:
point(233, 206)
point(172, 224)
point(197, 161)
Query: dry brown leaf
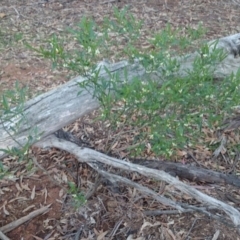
point(61, 192)
point(33, 193)
point(148, 224)
point(6, 189)
point(59, 201)
point(37, 238)
point(25, 187)
point(18, 187)
point(111, 205)
point(168, 231)
point(2, 15)
point(149, 147)
point(18, 198)
point(28, 208)
point(45, 192)
point(4, 208)
point(64, 177)
point(181, 153)
point(102, 235)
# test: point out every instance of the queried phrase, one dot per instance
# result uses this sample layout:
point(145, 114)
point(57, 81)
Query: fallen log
point(55, 109)
point(59, 107)
point(9, 227)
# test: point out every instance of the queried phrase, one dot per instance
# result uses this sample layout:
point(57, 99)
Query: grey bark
point(92, 158)
point(59, 107)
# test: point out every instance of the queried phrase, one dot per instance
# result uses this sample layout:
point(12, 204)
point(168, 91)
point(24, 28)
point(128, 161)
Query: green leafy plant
point(3, 170)
point(78, 197)
point(12, 118)
point(169, 112)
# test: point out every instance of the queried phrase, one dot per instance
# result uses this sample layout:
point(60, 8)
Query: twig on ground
point(93, 189)
point(182, 208)
point(219, 218)
point(109, 1)
point(187, 209)
point(144, 190)
point(236, 2)
point(216, 235)
point(221, 148)
point(9, 227)
point(191, 228)
point(196, 161)
point(167, 212)
point(78, 234)
point(116, 227)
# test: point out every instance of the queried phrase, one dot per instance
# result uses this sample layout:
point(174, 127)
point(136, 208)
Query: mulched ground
point(110, 213)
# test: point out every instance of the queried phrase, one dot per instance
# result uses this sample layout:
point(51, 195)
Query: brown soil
point(27, 188)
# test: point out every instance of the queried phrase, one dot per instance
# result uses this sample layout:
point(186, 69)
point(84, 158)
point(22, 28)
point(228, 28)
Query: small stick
point(109, 1)
point(9, 227)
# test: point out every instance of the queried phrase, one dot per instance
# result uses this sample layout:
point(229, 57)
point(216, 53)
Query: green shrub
point(168, 113)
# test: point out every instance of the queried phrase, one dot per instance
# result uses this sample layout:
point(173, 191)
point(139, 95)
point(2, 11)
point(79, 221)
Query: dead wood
point(3, 237)
point(59, 107)
point(231, 64)
point(92, 158)
point(55, 109)
point(191, 173)
point(9, 227)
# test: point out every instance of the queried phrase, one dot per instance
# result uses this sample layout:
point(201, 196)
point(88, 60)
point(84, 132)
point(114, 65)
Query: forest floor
point(27, 188)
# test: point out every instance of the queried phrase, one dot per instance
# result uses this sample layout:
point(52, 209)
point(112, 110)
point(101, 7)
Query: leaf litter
point(114, 211)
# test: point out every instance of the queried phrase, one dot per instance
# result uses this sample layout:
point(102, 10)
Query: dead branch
point(3, 237)
point(181, 208)
point(146, 191)
point(191, 173)
point(9, 227)
point(57, 108)
point(93, 157)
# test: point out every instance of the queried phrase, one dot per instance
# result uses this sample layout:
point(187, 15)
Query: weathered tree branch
point(57, 108)
point(3, 237)
point(93, 157)
point(191, 173)
point(9, 227)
